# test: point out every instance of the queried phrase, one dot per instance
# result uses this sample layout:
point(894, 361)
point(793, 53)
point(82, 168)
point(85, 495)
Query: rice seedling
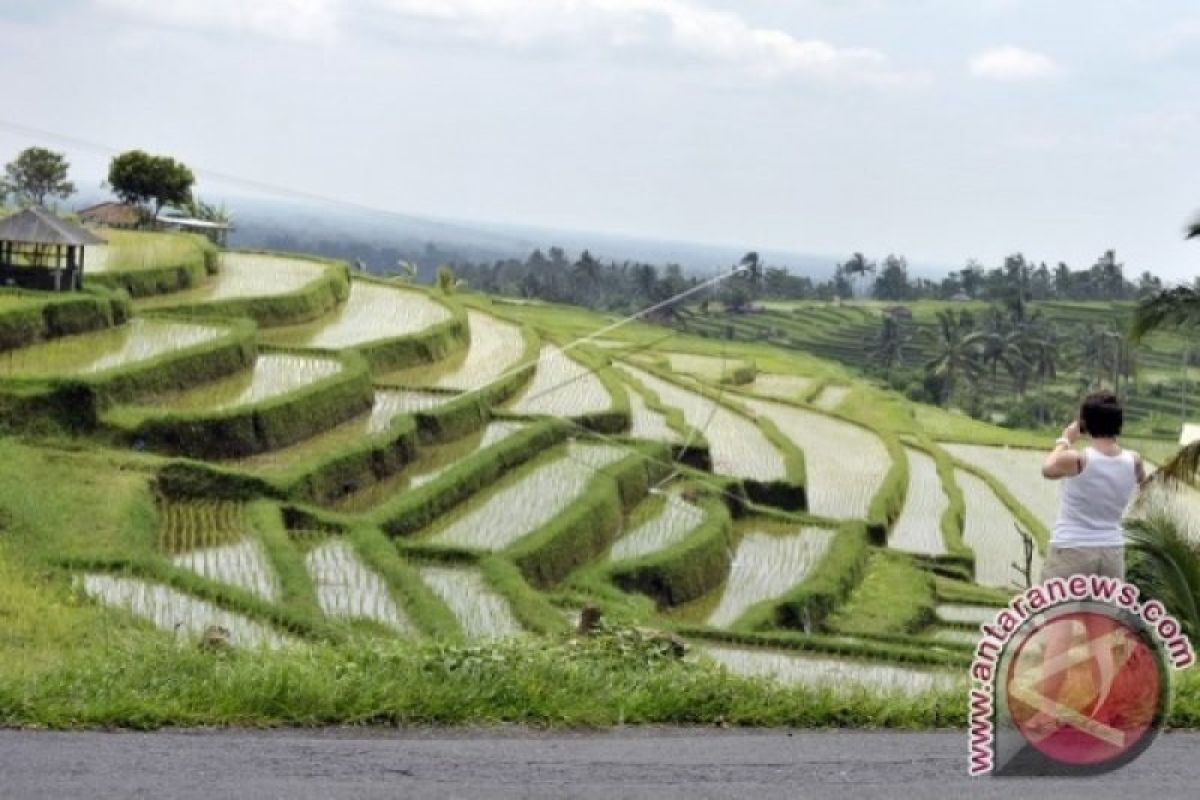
point(990, 530)
point(919, 528)
point(562, 387)
point(966, 614)
point(90, 353)
point(480, 610)
point(846, 464)
point(671, 519)
point(214, 539)
point(527, 500)
point(371, 313)
point(769, 560)
point(646, 423)
point(245, 275)
point(737, 445)
point(1020, 470)
point(785, 387)
point(272, 375)
point(831, 397)
point(173, 611)
point(430, 462)
point(840, 674)
point(347, 589)
point(388, 405)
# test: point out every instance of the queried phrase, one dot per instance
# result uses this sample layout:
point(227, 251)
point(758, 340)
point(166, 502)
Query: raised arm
point(1063, 461)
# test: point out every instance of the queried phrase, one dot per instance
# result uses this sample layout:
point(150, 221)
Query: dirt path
point(516, 763)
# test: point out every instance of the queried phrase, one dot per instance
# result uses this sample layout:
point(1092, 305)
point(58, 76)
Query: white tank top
point(1094, 501)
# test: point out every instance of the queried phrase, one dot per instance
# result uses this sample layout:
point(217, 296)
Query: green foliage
point(1166, 566)
point(147, 264)
point(893, 597)
point(530, 608)
point(35, 175)
point(139, 178)
point(27, 317)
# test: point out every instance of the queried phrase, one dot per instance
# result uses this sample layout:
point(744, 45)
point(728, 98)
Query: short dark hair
point(1101, 415)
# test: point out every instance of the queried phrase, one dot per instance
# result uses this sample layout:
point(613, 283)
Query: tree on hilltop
point(142, 179)
point(35, 175)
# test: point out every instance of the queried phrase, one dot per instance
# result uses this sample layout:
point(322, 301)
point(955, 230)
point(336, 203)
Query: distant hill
point(379, 239)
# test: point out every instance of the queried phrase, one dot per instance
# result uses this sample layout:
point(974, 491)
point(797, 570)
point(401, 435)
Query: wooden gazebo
point(40, 251)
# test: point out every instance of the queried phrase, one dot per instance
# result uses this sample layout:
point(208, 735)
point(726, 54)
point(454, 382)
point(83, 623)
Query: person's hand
point(1071, 432)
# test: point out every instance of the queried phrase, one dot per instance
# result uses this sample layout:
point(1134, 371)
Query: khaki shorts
point(1063, 562)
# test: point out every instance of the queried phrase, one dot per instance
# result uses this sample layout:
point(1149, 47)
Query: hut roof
point(112, 213)
point(36, 225)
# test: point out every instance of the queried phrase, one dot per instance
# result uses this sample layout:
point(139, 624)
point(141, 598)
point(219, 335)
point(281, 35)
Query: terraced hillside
point(307, 457)
point(848, 333)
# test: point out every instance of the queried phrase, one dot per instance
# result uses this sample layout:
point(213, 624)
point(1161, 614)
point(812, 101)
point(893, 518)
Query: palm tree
point(859, 266)
point(1169, 565)
point(889, 347)
point(957, 352)
point(1178, 307)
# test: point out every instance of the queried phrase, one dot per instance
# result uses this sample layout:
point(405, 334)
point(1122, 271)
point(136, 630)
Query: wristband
point(1063, 441)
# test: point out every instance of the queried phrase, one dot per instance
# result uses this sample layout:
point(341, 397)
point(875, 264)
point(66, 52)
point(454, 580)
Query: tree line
point(145, 181)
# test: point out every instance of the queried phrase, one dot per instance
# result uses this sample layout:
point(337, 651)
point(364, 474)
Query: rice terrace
point(521, 383)
point(354, 472)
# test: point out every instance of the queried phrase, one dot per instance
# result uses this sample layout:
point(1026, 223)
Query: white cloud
point(680, 27)
point(1012, 64)
point(677, 28)
point(300, 20)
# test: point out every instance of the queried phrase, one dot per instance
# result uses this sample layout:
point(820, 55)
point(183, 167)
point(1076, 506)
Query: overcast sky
point(941, 129)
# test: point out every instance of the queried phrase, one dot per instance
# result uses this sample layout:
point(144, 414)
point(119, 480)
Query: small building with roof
point(112, 214)
point(215, 232)
point(41, 251)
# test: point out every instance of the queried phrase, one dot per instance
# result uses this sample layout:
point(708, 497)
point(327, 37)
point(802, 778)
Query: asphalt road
point(517, 763)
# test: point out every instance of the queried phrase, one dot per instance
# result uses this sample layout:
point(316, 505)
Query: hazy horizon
point(939, 130)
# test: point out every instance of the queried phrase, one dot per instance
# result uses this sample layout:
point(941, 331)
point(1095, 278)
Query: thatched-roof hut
point(41, 251)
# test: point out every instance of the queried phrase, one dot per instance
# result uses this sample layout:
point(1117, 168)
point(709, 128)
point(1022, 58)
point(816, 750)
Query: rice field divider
point(955, 513)
point(788, 493)
point(869, 650)
point(692, 447)
point(435, 342)
point(686, 569)
point(831, 580)
point(592, 364)
point(888, 501)
point(251, 427)
point(415, 509)
point(158, 569)
point(307, 302)
point(230, 350)
point(27, 317)
point(582, 530)
point(1024, 516)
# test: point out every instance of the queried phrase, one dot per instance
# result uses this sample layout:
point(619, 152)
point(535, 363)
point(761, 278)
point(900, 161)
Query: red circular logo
point(1085, 688)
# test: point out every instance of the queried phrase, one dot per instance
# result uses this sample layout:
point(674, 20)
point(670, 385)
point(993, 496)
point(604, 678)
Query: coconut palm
point(1167, 566)
point(1179, 308)
point(957, 351)
point(889, 348)
point(857, 266)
